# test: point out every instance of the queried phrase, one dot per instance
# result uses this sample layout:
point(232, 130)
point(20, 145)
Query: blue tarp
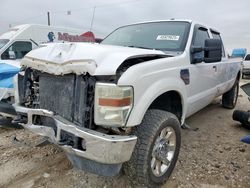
point(239, 52)
point(246, 139)
point(7, 72)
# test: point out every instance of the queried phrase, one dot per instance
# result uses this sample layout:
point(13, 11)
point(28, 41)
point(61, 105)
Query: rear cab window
point(216, 35)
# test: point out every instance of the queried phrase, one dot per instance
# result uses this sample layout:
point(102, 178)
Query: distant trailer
point(239, 52)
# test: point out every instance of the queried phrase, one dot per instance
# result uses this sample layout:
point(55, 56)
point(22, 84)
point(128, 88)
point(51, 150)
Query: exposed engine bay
point(70, 96)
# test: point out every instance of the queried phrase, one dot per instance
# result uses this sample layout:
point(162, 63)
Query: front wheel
point(229, 99)
point(156, 150)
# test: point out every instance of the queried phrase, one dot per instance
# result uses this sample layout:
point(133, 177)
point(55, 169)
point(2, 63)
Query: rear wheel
point(229, 99)
point(156, 150)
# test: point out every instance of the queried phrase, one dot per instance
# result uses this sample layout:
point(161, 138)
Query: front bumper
point(101, 148)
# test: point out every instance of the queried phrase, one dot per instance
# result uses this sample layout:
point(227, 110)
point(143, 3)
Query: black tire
point(139, 169)
point(229, 99)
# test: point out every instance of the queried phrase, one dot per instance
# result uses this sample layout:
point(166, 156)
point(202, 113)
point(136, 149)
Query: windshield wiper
point(139, 47)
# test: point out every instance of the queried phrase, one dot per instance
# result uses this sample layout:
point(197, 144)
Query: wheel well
point(238, 75)
point(170, 101)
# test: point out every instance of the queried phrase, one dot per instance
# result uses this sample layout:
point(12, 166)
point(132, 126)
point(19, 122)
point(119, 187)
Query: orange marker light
point(115, 102)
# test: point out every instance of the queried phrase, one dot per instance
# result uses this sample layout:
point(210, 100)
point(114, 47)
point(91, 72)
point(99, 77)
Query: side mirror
point(212, 50)
point(12, 55)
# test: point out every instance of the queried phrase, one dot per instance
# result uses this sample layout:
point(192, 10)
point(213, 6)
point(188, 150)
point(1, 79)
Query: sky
point(230, 17)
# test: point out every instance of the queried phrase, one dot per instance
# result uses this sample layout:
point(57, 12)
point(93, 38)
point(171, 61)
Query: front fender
point(144, 98)
point(150, 80)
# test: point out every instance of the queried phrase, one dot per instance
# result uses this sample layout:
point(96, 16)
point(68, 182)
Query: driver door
point(203, 85)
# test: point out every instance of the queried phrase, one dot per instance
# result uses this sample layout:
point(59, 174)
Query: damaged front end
point(61, 107)
point(68, 92)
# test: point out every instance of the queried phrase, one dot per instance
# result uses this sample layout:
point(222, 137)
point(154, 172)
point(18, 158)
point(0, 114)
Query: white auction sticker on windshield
point(167, 37)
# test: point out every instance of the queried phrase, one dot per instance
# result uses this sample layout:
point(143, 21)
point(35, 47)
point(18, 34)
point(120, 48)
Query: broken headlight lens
point(112, 104)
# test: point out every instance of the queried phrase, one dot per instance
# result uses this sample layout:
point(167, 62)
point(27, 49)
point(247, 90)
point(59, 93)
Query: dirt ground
point(212, 157)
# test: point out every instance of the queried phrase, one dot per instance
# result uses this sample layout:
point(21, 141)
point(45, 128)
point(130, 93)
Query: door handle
point(215, 68)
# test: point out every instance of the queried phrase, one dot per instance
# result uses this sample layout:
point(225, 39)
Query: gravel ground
point(212, 157)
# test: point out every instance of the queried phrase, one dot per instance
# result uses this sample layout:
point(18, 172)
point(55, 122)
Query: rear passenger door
point(224, 69)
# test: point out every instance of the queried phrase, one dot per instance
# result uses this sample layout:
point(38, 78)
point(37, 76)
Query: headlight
point(112, 104)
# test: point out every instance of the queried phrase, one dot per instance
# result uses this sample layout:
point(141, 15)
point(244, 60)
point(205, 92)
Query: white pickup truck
point(122, 102)
point(246, 66)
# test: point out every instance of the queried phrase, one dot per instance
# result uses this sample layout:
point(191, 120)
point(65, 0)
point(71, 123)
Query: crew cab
point(122, 102)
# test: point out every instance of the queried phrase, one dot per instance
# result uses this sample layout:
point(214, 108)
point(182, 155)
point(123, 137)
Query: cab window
point(17, 50)
point(247, 58)
point(200, 36)
point(216, 35)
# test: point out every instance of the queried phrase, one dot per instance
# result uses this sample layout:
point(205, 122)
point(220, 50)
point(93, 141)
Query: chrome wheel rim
point(163, 151)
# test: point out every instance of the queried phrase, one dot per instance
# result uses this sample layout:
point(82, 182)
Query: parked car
point(122, 102)
point(246, 66)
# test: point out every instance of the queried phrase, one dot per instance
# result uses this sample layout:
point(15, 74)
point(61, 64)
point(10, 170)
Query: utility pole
point(92, 20)
point(48, 18)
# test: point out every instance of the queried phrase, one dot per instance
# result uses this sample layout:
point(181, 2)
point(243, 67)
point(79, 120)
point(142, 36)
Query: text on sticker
point(167, 37)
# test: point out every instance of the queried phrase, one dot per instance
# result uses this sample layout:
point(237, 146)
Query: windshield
point(166, 36)
point(3, 42)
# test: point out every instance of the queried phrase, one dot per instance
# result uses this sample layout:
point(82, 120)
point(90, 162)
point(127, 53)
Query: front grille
point(69, 96)
point(57, 94)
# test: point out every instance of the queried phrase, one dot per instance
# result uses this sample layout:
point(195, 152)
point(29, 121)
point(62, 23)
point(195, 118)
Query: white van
point(19, 40)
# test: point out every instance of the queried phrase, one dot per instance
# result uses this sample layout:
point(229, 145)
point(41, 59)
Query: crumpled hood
point(80, 58)
point(7, 72)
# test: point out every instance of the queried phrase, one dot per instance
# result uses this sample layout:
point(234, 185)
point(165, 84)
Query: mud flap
point(7, 112)
point(186, 126)
point(94, 167)
point(8, 109)
point(7, 123)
